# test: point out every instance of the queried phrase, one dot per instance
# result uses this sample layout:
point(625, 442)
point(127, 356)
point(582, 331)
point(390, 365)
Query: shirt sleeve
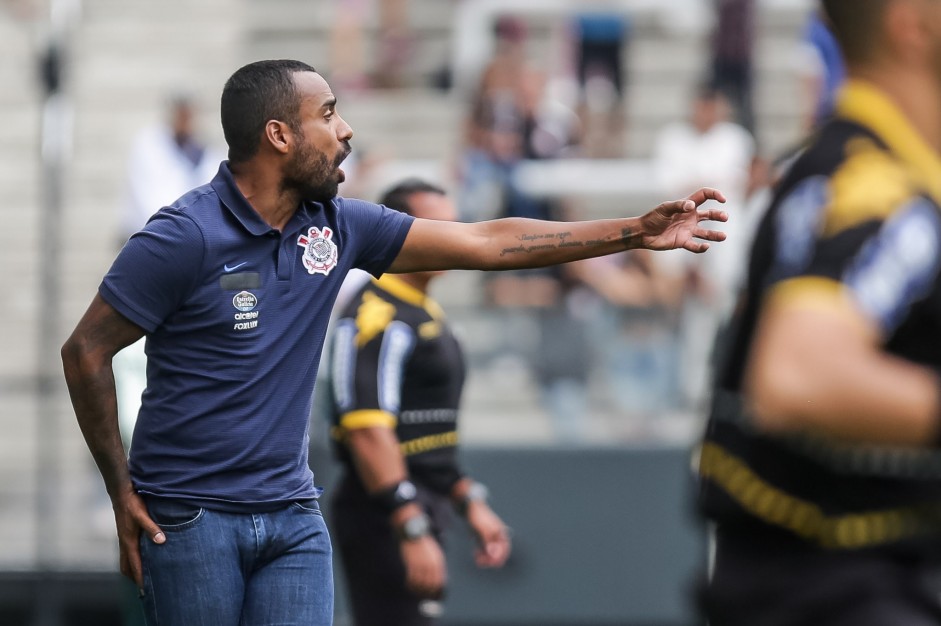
point(368, 369)
point(897, 265)
point(885, 265)
point(380, 233)
point(156, 270)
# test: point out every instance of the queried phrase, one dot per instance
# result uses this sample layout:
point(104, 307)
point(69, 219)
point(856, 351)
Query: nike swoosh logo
point(234, 267)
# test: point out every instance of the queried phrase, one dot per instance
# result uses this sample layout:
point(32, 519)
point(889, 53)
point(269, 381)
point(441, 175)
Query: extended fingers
point(672, 207)
point(709, 234)
point(706, 193)
point(697, 247)
point(715, 215)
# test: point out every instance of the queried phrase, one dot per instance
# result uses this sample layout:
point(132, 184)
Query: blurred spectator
point(512, 118)
point(491, 133)
point(820, 64)
point(350, 66)
point(166, 161)
point(630, 312)
point(733, 43)
point(709, 150)
point(347, 42)
point(600, 38)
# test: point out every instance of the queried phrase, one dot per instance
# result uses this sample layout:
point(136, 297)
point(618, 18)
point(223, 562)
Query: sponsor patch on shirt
point(241, 280)
point(247, 317)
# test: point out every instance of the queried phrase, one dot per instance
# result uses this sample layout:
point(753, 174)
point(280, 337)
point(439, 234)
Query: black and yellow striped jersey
point(856, 218)
point(395, 363)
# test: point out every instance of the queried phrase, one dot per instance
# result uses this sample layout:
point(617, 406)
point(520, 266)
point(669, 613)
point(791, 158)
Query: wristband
point(415, 528)
point(396, 496)
point(476, 492)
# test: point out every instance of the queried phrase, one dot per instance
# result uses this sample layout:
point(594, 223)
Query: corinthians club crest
point(320, 253)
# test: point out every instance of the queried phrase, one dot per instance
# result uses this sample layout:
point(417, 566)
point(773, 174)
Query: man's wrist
point(475, 492)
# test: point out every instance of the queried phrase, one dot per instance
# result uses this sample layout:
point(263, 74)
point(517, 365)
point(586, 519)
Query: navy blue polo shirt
point(235, 314)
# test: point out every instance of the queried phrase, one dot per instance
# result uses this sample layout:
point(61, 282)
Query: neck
point(920, 104)
point(261, 186)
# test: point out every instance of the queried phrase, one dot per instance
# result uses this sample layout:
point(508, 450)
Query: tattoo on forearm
point(534, 237)
point(628, 238)
point(562, 238)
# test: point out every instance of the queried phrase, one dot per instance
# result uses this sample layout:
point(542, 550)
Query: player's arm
point(381, 467)
point(817, 366)
point(514, 243)
point(86, 360)
point(368, 431)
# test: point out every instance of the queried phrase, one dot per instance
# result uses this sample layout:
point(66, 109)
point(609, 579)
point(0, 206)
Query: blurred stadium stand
point(122, 59)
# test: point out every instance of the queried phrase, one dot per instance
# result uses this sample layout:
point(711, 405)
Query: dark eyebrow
point(330, 103)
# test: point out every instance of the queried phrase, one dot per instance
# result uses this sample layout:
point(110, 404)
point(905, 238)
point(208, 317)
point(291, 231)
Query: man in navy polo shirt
point(233, 285)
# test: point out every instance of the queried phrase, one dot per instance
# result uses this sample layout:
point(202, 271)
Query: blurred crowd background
point(561, 109)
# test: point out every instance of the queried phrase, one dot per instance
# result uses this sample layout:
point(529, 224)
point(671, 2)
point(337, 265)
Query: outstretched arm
point(516, 243)
point(86, 359)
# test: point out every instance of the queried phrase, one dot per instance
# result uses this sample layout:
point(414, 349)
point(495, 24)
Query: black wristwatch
point(396, 496)
point(415, 527)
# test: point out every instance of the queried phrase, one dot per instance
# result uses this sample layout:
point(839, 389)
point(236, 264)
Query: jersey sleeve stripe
point(810, 292)
point(367, 418)
point(397, 344)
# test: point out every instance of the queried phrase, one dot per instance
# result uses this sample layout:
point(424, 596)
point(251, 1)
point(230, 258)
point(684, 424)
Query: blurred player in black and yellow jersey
point(820, 468)
point(397, 373)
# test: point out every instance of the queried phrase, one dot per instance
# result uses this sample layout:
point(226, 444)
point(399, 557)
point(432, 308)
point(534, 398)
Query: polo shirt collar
point(224, 186)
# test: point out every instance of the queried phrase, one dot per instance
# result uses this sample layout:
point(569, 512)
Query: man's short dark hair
point(254, 95)
point(856, 24)
point(397, 197)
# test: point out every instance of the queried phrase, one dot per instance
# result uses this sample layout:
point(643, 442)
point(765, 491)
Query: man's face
point(432, 206)
point(321, 142)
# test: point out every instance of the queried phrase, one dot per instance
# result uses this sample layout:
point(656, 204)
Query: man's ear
point(278, 135)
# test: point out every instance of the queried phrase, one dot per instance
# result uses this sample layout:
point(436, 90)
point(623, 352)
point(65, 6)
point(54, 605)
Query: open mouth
point(340, 160)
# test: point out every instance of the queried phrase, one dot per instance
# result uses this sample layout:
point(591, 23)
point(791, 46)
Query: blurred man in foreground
point(397, 375)
point(820, 466)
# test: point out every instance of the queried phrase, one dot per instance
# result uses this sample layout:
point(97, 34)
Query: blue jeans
point(237, 569)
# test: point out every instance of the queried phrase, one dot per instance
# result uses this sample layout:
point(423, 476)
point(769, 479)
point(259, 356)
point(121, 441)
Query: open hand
point(675, 224)
point(493, 539)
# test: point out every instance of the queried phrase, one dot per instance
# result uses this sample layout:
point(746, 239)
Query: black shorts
point(761, 582)
point(369, 552)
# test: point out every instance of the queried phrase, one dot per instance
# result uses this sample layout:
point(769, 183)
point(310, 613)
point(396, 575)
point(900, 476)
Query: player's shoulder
point(850, 174)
